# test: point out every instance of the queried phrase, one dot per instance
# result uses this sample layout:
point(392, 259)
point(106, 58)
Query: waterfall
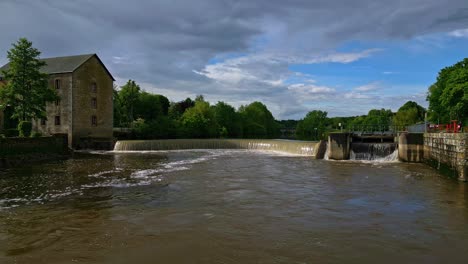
point(307, 148)
point(383, 152)
point(325, 157)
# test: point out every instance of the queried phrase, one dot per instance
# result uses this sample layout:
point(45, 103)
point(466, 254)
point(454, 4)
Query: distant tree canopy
point(152, 116)
point(228, 120)
point(27, 90)
point(258, 122)
point(199, 121)
point(375, 120)
point(410, 113)
point(448, 96)
point(312, 127)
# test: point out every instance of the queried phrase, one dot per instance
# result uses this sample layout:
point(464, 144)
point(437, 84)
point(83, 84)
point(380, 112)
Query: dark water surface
point(222, 206)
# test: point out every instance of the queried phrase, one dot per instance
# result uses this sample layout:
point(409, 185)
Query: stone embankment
point(18, 151)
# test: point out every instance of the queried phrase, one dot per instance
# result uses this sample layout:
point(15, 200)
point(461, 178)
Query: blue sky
point(295, 56)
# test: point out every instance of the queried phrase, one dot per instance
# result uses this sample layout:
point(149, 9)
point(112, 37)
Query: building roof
point(67, 64)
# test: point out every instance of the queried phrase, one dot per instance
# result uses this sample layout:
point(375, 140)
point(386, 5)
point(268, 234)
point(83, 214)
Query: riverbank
point(21, 151)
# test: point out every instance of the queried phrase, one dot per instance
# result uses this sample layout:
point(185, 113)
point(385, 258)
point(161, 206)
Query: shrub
point(25, 128)
point(36, 134)
point(11, 132)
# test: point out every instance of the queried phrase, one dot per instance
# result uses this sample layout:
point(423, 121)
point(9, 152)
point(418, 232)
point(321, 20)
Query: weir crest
point(306, 148)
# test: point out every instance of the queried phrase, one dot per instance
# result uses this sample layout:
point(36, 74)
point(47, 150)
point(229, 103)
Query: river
point(229, 206)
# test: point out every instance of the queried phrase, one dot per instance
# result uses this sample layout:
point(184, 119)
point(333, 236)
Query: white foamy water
point(366, 157)
point(121, 177)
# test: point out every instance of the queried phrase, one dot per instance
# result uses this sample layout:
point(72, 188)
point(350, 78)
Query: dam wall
point(306, 148)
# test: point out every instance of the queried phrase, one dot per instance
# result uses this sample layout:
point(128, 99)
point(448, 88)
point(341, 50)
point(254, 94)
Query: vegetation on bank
point(153, 116)
point(448, 96)
point(26, 91)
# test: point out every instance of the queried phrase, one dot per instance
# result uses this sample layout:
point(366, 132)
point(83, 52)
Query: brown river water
point(229, 206)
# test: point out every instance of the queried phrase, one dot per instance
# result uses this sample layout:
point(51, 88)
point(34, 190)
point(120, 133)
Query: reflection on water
point(229, 206)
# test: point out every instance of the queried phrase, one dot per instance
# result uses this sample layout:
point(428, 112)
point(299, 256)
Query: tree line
point(153, 116)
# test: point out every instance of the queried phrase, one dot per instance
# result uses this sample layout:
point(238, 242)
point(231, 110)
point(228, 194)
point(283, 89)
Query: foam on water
point(393, 157)
point(121, 178)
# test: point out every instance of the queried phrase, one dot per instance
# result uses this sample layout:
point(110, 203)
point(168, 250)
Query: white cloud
point(459, 33)
point(272, 68)
point(311, 89)
point(356, 95)
point(368, 87)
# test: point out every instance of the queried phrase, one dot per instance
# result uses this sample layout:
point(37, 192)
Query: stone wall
point(62, 108)
point(83, 78)
point(20, 151)
point(447, 152)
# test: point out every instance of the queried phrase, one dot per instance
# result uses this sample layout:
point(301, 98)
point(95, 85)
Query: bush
point(25, 128)
point(36, 134)
point(11, 132)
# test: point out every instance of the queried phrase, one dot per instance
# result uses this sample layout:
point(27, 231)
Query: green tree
point(151, 106)
point(129, 95)
point(118, 108)
point(375, 120)
point(312, 127)
point(228, 120)
point(176, 110)
point(27, 88)
point(408, 114)
point(199, 121)
point(448, 96)
point(258, 122)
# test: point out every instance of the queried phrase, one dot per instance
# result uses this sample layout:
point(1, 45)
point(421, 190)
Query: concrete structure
point(411, 147)
point(447, 152)
point(85, 110)
point(339, 146)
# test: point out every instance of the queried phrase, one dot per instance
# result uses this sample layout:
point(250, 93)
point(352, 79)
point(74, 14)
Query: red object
point(453, 127)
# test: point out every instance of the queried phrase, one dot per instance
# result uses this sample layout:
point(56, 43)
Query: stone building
point(85, 109)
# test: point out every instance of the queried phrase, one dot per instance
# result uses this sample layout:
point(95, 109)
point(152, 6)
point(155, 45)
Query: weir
point(308, 148)
point(374, 151)
point(447, 152)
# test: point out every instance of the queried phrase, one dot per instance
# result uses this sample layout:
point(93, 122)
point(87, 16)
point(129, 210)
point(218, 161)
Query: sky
point(344, 57)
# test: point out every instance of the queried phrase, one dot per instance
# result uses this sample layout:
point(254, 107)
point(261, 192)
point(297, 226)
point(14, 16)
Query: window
point(94, 103)
point(57, 120)
point(93, 87)
point(57, 102)
point(57, 84)
point(94, 120)
point(43, 122)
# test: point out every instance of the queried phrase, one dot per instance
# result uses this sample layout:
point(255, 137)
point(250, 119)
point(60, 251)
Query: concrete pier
point(338, 146)
point(411, 147)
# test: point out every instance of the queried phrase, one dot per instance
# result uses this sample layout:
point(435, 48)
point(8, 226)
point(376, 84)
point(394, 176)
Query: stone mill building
point(85, 109)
